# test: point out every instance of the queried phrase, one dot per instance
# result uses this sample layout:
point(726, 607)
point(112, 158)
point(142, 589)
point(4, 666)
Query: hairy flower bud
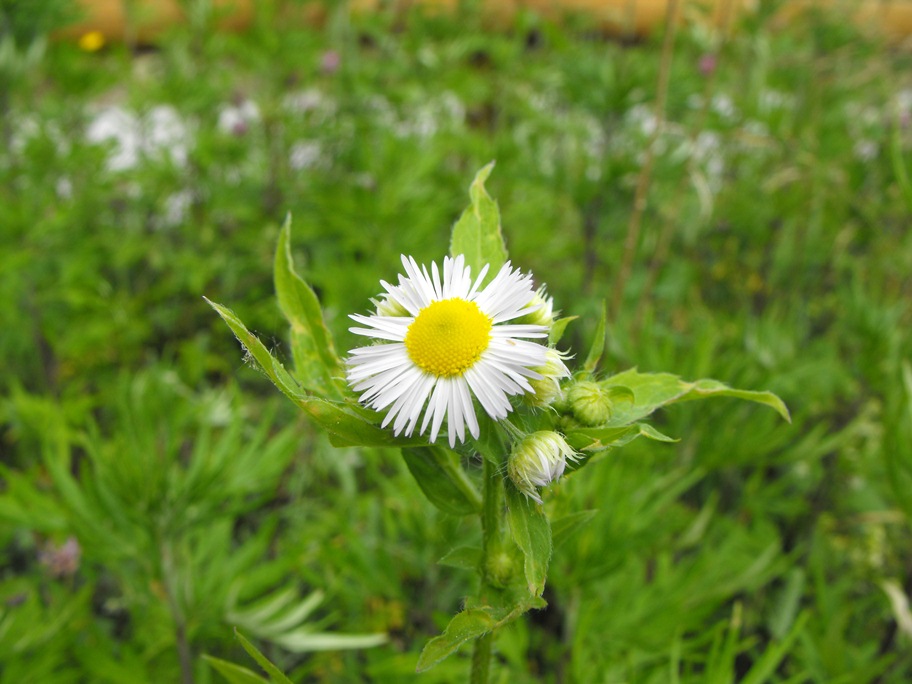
point(537, 461)
point(547, 389)
point(544, 312)
point(589, 403)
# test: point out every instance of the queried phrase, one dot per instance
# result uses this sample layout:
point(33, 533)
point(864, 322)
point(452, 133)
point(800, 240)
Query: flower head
point(447, 340)
point(547, 388)
point(537, 461)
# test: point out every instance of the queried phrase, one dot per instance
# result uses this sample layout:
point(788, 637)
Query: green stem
point(481, 659)
point(492, 503)
point(491, 507)
point(448, 460)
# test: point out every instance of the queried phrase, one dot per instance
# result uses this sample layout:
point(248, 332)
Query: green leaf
point(532, 533)
point(702, 389)
point(274, 370)
point(598, 343)
point(651, 391)
point(471, 624)
point(477, 235)
point(235, 674)
point(344, 421)
point(440, 476)
point(465, 626)
point(347, 425)
point(316, 362)
point(600, 438)
point(274, 673)
point(463, 557)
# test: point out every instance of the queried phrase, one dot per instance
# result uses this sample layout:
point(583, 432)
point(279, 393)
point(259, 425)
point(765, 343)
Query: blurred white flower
point(305, 154)
point(160, 133)
point(236, 119)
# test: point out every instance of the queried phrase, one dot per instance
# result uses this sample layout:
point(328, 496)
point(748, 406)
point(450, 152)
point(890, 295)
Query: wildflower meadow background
point(739, 201)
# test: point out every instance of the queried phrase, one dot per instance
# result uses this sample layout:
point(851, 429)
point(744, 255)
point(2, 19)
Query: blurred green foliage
point(775, 254)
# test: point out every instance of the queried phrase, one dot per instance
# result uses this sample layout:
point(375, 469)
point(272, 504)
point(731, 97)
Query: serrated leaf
point(598, 343)
point(477, 234)
point(235, 674)
point(275, 674)
point(532, 533)
point(441, 479)
point(463, 557)
point(316, 362)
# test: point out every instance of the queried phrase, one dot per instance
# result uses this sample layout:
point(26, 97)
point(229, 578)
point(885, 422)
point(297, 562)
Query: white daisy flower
point(446, 342)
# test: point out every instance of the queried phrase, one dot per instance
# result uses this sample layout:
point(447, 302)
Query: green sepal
point(532, 533)
point(653, 390)
point(440, 476)
point(558, 328)
point(315, 359)
point(598, 343)
point(477, 234)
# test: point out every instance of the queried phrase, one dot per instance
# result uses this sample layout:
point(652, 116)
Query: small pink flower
point(61, 561)
point(329, 62)
point(707, 64)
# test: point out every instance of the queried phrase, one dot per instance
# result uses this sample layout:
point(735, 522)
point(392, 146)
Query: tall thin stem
point(645, 177)
point(184, 654)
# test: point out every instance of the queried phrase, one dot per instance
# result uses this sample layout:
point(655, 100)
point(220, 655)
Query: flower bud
point(389, 307)
point(537, 461)
point(547, 389)
point(589, 403)
point(543, 313)
point(500, 568)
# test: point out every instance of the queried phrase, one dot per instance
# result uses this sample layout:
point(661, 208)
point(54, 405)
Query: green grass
point(773, 254)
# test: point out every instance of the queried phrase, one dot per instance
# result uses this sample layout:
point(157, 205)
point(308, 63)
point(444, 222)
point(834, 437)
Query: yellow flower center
point(448, 336)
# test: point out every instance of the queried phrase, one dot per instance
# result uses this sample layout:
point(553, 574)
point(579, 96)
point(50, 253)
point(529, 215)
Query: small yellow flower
point(92, 41)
